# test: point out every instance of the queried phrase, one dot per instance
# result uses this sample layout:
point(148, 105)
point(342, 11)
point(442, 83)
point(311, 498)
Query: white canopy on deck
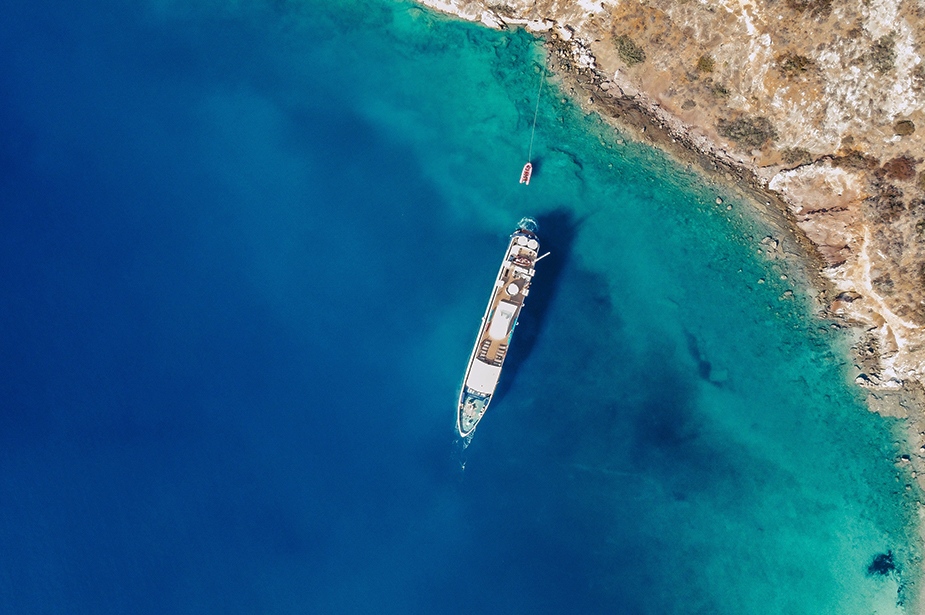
point(483, 377)
point(501, 320)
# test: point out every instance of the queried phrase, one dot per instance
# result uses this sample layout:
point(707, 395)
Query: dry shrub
point(904, 128)
point(717, 89)
point(816, 8)
point(858, 161)
point(796, 156)
point(747, 131)
point(918, 78)
point(901, 168)
point(886, 205)
point(791, 64)
point(706, 64)
point(882, 54)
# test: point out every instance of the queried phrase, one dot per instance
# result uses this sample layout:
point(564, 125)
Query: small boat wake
point(459, 452)
point(463, 442)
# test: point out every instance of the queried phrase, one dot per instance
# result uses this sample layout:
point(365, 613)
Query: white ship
point(507, 298)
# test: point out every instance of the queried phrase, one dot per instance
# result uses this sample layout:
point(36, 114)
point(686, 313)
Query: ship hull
point(512, 285)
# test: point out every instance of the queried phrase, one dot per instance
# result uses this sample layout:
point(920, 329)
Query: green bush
point(705, 64)
point(630, 52)
point(750, 132)
point(882, 54)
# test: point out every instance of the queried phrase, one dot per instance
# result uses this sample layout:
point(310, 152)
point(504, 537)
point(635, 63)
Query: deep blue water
point(245, 249)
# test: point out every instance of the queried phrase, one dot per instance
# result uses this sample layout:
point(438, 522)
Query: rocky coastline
point(811, 108)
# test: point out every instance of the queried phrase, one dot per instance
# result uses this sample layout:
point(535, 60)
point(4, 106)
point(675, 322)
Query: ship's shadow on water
point(557, 231)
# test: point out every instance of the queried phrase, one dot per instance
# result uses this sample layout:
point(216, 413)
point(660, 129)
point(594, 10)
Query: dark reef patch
point(882, 564)
point(703, 366)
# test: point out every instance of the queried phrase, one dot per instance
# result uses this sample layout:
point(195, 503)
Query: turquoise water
point(247, 249)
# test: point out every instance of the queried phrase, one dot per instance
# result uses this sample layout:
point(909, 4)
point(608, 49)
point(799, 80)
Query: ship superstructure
point(512, 286)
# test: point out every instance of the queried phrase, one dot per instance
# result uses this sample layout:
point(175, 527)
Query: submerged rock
point(882, 564)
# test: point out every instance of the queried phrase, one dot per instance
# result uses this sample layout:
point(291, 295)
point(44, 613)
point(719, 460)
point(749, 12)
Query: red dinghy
point(526, 173)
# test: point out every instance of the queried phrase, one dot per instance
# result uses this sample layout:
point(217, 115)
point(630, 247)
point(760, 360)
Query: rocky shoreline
point(818, 202)
point(820, 136)
point(639, 117)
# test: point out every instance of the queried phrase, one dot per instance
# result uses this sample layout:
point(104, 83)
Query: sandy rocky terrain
point(818, 104)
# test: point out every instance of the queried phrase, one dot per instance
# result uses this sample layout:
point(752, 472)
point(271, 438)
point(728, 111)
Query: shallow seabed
point(247, 248)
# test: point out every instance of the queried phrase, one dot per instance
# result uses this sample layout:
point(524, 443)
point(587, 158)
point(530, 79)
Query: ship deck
point(511, 288)
point(512, 285)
